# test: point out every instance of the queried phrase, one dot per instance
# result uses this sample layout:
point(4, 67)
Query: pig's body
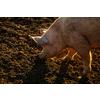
point(87, 27)
point(77, 34)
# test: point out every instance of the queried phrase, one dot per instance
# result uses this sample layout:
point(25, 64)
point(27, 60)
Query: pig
point(78, 34)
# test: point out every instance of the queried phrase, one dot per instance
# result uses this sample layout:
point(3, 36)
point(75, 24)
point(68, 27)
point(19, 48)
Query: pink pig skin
point(76, 33)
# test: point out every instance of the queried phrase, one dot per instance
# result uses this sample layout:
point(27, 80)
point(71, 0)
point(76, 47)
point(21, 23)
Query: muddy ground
point(19, 63)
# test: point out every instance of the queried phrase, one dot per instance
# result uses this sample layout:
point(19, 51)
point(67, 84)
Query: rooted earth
point(19, 63)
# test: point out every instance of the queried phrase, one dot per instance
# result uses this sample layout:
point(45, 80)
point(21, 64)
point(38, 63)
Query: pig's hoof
point(87, 70)
point(84, 74)
point(83, 80)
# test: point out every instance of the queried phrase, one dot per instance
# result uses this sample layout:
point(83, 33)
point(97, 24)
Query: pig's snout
point(37, 59)
point(43, 55)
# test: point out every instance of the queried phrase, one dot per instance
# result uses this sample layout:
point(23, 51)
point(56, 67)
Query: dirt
point(19, 63)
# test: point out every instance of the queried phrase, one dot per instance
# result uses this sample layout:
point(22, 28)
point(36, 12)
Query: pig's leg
point(82, 47)
point(87, 62)
point(70, 55)
point(85, 53)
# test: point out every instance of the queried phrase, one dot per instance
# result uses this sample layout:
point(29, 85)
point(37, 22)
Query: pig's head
point(51, 43)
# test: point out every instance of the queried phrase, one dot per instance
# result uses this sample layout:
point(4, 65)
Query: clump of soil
point(18, 56)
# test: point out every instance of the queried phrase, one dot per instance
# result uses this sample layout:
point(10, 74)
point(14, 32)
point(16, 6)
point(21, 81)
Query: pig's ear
point(40, 40)
point(42, 31)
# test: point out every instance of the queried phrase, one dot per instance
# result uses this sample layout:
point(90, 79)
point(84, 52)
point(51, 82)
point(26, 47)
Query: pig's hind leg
point(82, 47)
point(87, 59)
point(69, 56)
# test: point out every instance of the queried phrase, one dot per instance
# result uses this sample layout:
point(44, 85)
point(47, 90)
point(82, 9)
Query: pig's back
point(89, 27)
